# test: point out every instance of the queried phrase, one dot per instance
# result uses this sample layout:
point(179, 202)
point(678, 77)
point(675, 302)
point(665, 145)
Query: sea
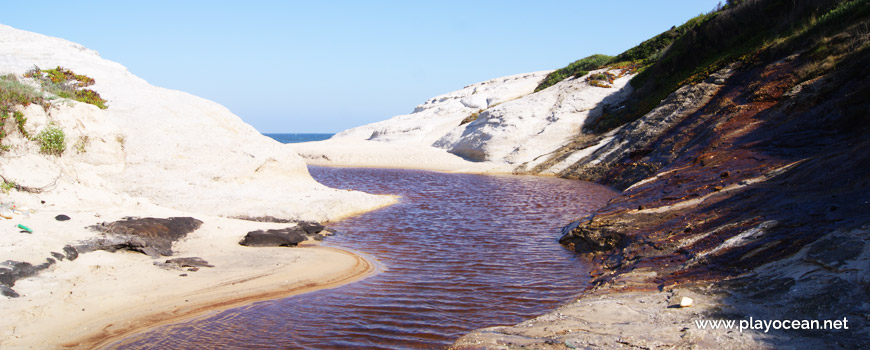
point(300, 137)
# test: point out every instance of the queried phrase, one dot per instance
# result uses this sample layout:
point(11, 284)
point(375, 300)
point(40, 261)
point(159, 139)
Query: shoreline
point(217, 299)
point(344, 153)
point(103, 297)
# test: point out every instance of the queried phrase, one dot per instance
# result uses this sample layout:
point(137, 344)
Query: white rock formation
point(516, 129)
point(167, 146)
point(527, 129)
point(437, 116)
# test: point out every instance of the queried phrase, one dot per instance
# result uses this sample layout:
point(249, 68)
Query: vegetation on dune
point(51, 140)
point(66, 84)
point(738, 31)
point(14, 92)
point(638, 56)
point(60, 82)
point(577, 68)
point(741, 32)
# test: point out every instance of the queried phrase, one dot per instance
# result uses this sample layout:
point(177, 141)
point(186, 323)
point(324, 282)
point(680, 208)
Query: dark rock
point(189, 262)
point(835, 252)
point(61, 217)
point(152, 236)
point(585, 238)
point(311, 227)
point(20, 269)
point(264, 219)
point(70, 252)
point(6, 291)
point(116, 243)
point(11, 271)
point(57, 255)
point(7, 277)
point(287, 237)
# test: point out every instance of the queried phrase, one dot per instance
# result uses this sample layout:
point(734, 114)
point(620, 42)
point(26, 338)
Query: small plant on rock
point(603, 80)
point(471, 117)
point(51, 140)
point(14, 92)
point(82, 144)
point(5, 187)
point(66, 84)
point(20, 120)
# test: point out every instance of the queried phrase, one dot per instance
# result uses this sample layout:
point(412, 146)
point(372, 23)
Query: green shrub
point(4, 114)
point(66, 84)
point(707, 43)
point(51, 140)
point(14, 92)
point(577, 68)
point(20, 120)
point(5, 187)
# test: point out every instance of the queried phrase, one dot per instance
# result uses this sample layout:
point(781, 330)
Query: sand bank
point(374, 154)
point(100, 297)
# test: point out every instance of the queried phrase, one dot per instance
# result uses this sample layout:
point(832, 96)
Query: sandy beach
point(349, 153)
point(100, 296)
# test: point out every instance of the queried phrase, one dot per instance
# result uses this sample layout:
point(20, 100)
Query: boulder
point(287, 237)
point(152, 236)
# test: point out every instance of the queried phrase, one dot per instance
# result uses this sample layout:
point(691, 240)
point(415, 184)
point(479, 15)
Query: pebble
point(686, 302)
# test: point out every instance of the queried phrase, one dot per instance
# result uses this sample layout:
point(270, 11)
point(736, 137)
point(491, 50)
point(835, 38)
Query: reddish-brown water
point(460, 252)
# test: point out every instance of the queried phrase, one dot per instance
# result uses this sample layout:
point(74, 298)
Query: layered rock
point(747, 193)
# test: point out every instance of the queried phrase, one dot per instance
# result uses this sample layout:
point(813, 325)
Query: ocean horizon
point(298, 137)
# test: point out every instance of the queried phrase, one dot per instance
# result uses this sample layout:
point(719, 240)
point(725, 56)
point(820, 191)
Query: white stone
point(686, 302)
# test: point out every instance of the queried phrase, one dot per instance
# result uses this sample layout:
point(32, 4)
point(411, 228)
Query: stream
point(457, 253)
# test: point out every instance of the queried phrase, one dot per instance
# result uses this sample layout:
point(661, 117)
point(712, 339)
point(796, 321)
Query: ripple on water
point(461, 252)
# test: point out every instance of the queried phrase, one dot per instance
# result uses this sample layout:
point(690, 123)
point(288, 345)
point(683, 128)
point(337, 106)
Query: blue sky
point(325, 66)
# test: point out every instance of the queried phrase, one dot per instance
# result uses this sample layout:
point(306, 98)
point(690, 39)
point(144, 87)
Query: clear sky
point(325, 66)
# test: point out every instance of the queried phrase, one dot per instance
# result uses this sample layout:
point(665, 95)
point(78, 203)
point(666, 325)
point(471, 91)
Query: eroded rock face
point(752, 176)
point(436, 117)
point(526, 131)
point(623, 160)
point(753, 196)
point(152, 236)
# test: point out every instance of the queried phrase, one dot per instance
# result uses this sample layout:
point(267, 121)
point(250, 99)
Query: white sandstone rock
point(516, 128)
point(173, 148)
